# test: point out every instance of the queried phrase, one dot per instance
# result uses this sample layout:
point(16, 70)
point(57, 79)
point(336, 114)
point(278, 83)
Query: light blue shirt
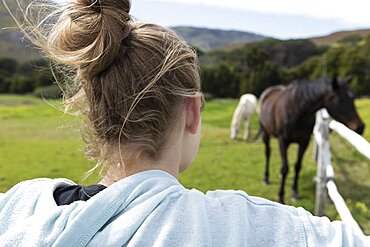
point(152, 208)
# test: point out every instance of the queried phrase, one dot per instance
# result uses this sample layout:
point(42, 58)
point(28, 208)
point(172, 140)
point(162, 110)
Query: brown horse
point(288, 113)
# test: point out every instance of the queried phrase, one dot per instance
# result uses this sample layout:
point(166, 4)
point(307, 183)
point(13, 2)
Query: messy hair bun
point(91, 35)
point(132, 78)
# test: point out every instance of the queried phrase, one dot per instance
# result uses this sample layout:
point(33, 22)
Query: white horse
point(243, 112)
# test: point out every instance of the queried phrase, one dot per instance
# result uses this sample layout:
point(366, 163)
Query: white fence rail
point(325, 172)
point(352, 137)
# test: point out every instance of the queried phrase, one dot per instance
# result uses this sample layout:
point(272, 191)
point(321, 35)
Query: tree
point(8, 65)
point(21, 85)
point(258, 79)
point(220, 80)
point(4, 84)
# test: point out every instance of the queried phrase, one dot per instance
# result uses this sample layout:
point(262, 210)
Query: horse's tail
point(258, 134)
point(258, 111)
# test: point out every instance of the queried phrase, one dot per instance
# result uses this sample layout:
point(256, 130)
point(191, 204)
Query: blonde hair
point(130, 79)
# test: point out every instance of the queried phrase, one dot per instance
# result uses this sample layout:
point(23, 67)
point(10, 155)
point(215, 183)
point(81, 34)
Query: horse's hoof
point(295, 197)
point(281, 201)
point(266, 182)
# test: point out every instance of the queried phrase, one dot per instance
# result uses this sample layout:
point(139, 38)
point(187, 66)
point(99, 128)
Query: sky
point(284, 19)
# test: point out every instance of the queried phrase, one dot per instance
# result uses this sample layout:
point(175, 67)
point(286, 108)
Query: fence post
point(323, 160)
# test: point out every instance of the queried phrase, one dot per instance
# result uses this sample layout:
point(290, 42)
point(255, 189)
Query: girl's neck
point(169, 163)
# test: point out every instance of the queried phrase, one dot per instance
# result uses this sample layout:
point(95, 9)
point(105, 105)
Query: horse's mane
point(308, 92)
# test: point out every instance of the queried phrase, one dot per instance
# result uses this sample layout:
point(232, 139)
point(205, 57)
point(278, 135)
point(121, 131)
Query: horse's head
point(339, 102)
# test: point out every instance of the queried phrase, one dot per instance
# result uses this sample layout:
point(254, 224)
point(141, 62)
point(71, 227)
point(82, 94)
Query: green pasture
point(38, 140)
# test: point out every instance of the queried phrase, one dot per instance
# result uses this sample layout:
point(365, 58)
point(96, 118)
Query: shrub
point(48, 92)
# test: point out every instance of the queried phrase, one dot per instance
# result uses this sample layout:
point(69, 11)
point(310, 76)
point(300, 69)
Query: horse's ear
point(335, 82)
point(348, 79)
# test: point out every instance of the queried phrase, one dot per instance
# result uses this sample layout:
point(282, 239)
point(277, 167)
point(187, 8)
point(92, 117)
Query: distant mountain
point(5, 19)
point(338, 36)
point(12, 43)
point(208, 39)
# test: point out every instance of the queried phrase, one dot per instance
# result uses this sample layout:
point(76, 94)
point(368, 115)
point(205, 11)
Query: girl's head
point(133, 79)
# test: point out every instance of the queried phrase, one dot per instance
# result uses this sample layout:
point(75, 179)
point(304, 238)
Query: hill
point(12, 43)
point(5, 18)
point(338, 36)
point(208, 39)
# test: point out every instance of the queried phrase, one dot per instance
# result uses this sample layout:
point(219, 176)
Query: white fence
point(325, 172)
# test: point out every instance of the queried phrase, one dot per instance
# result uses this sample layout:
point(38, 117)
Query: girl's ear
point(193, 114)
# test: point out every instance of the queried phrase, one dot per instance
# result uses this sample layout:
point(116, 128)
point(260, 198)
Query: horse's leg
point(301, 150)
point(284, 167)
point(235, 124)
point(247, 129)
point(266, 140)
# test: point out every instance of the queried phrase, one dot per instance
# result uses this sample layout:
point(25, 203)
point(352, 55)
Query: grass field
point(37, 140)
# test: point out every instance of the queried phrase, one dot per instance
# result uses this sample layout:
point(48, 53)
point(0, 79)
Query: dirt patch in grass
point(16, 103)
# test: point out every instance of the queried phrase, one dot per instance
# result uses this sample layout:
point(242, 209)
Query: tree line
point(34, 77)
point(225, 74)
point(256, 66)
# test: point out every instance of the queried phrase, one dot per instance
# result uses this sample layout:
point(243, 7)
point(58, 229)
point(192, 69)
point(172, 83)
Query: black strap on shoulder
point(67, 194)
